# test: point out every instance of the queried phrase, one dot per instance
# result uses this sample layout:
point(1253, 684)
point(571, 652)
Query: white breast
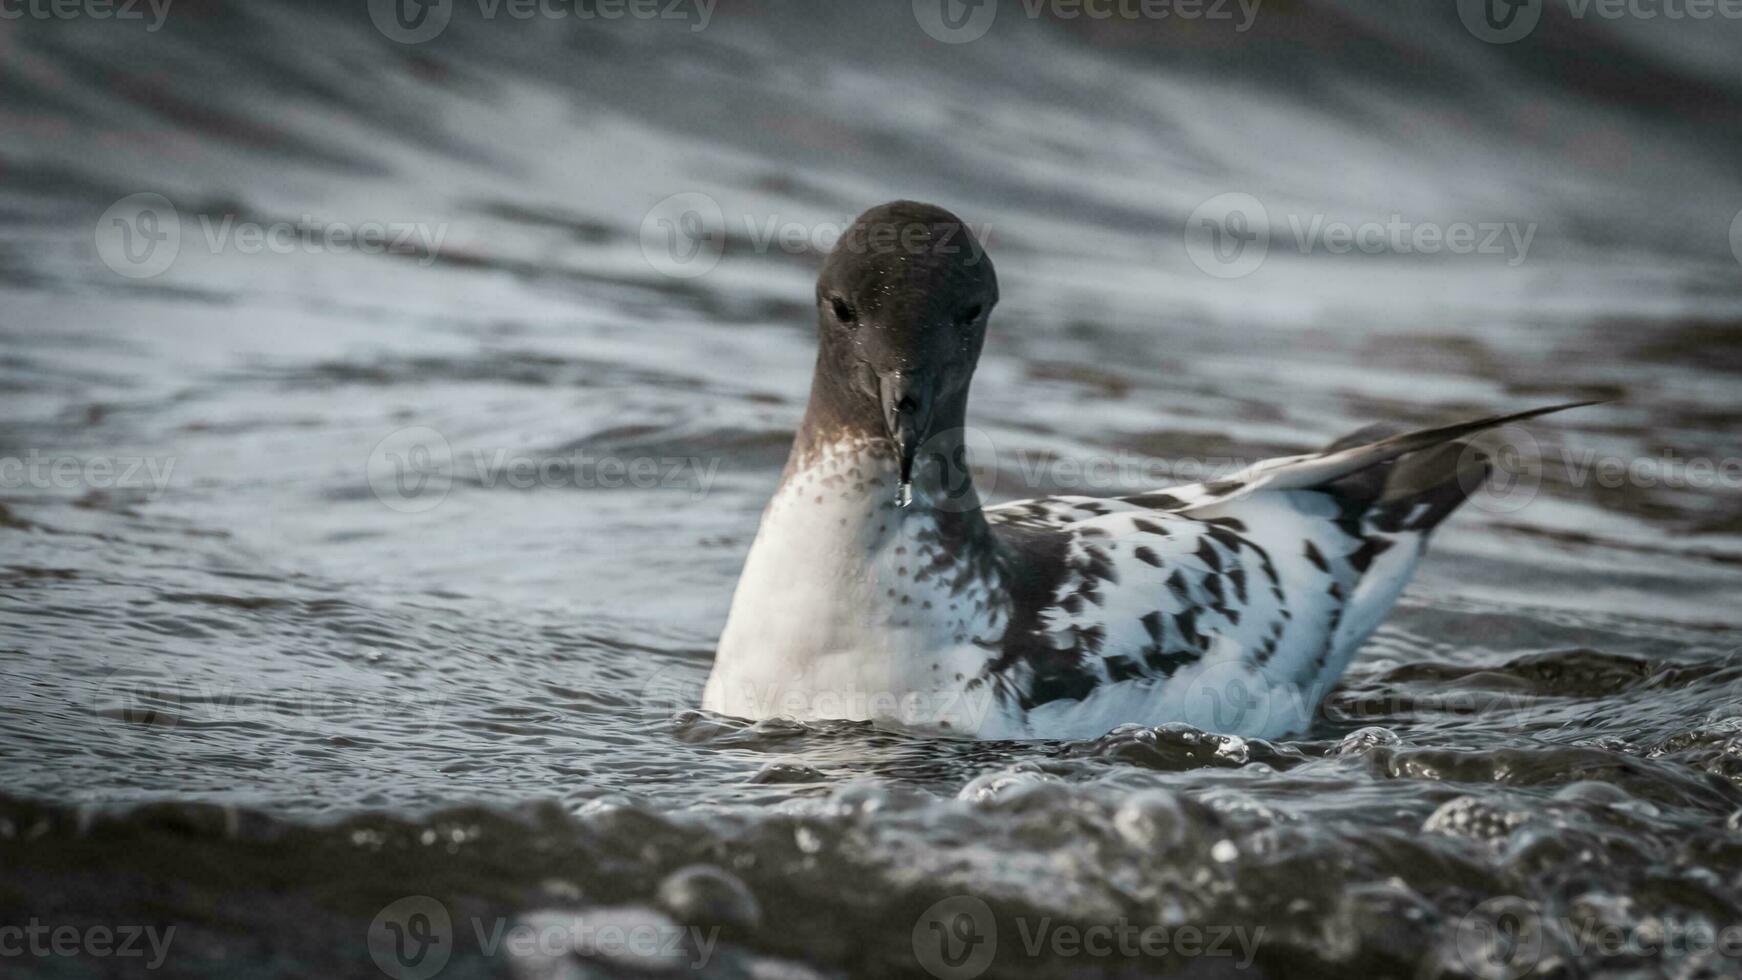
point(848, 608)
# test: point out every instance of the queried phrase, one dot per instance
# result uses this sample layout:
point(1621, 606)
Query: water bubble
point(1366, 739)
point(705, 895)
point(1152, 821)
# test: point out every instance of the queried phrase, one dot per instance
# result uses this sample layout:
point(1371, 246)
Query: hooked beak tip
point(905, 414)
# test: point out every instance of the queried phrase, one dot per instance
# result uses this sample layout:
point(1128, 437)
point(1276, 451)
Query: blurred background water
point(390, 402)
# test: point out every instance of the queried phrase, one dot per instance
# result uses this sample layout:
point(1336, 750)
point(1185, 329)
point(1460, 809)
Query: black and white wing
point(1254, 590)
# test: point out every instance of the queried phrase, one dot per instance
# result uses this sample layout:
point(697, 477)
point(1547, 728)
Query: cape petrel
point(879, 589)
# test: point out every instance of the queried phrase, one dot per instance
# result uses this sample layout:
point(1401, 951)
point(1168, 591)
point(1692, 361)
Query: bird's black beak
point(906, 399)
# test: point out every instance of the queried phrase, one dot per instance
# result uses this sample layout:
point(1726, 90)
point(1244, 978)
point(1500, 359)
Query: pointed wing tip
point(1312, 470)
point(1564, 406)
point(1335, 465)
point(1441, 433)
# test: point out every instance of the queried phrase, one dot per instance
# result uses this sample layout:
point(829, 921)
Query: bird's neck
point(861, 455)
point(841, 416)
point(844, 465)
point(856, 468)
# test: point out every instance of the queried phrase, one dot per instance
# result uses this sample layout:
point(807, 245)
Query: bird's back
point(1232, 616)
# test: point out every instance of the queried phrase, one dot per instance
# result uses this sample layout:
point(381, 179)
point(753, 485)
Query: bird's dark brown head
point(902, 304)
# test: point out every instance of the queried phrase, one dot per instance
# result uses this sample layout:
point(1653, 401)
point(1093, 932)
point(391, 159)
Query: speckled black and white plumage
point(1232, 605)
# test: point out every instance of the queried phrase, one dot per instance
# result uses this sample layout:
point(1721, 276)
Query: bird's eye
point(969, 315)
point(843, 311)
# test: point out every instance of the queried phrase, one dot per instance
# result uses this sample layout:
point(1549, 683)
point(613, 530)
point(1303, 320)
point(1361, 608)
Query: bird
point(880, 588)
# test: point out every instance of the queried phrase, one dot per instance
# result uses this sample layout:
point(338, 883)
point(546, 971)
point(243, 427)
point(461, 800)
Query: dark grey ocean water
point(360, 563)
